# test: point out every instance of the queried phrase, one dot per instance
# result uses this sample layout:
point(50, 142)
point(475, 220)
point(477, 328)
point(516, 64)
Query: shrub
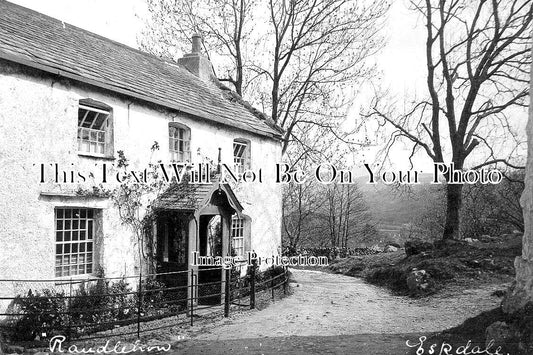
point(153, 294)
point(122, 302)
point(89, 305)
point(40, 313)
point(394, 277)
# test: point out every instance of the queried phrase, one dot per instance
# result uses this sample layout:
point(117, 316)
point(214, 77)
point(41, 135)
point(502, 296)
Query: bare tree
point(223, 24)
point(319, 48)
point(342, 214)
point(299, 206)
point(332, 215)
point(298, 60)
point(477, 60)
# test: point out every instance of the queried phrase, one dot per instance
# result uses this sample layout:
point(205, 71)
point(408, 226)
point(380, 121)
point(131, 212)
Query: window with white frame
point(94, 128)
point(75, 230)
point(179, 141)
point(241, 155)
point(237, 236)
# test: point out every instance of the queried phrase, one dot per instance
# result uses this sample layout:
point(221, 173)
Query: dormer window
point(241, 155)
point(94, 128)
point(179, 141)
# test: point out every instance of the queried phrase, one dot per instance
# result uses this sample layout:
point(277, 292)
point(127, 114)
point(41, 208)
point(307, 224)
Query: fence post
point(227, 295)
point(252, 284)
point(191, 311)
point(69, 314)
point(285, 281)
point(139, 305)
point(272, 285)
point(239, 284)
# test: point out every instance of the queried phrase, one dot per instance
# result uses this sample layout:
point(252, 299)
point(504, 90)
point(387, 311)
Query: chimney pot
point(196, 43)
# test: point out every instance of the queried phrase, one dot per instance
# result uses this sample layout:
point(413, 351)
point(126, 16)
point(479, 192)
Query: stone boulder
point(416, 246)
point(390, 249)
point(418, 281)
point(487, 239)
point(394, 244)
point(500, 333)
point(376, 248)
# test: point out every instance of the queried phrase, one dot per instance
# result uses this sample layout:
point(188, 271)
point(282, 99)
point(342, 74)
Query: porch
point(192, 222)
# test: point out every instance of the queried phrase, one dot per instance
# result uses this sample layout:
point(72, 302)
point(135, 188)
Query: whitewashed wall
point(38, 124)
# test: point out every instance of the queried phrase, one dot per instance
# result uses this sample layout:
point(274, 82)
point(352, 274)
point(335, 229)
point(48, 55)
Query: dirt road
point(337, 314)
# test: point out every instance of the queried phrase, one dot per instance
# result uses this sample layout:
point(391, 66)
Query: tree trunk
point(454, 201)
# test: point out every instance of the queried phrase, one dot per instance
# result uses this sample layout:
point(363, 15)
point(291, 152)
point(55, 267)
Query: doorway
point(172, 247)
point(211, 245)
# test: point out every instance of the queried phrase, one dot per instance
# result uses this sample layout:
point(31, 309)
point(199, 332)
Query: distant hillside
point(393, 207)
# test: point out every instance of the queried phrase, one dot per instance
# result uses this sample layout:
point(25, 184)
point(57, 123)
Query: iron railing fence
point(106, 307)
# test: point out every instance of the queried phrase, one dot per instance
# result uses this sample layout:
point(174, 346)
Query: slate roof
point(39, 41)
point(189, 197)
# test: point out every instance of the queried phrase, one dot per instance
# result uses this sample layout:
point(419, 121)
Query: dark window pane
point(68, 213)
point(59, 236)
point(66, 248)
point(75, 247)
point(59, 213)
point(89, 246)
point(59, 225)
point(58, 249)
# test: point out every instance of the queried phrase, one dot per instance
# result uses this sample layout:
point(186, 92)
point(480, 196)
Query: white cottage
point(70, 100)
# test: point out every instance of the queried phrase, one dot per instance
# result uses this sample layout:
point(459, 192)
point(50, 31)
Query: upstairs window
point(94, 128)
point(241, 155)
point(179, 142)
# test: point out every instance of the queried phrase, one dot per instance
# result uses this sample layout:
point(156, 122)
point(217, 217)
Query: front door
point(209, 276)
point(172, 247)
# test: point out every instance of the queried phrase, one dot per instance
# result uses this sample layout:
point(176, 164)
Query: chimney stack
point(196, 43)
point(197, 63)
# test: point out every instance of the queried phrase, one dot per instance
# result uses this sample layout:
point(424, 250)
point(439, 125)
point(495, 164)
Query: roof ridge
point(248, 106)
